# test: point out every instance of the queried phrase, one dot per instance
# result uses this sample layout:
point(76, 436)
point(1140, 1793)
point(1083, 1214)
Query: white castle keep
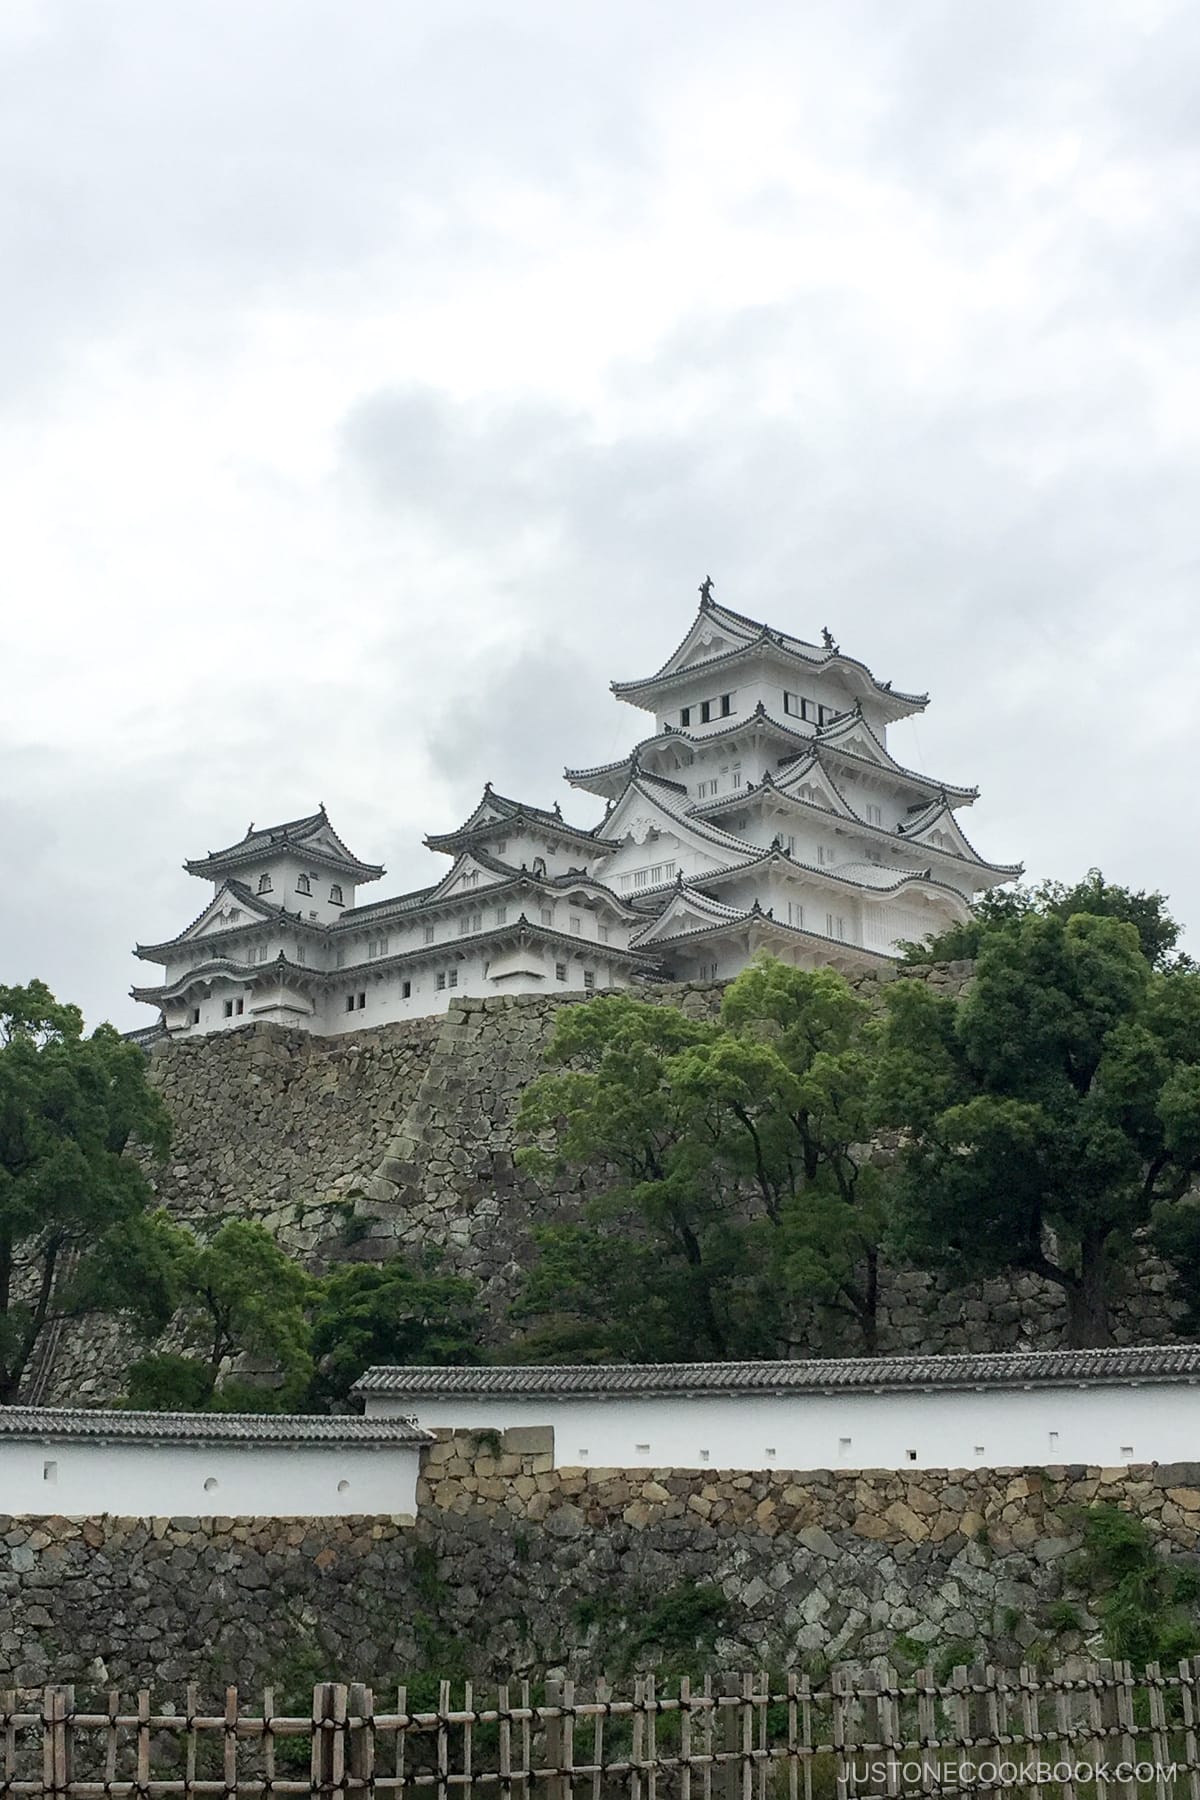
point(763, 812)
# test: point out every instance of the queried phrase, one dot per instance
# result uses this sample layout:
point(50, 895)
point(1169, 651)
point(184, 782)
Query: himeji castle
point(763, 811)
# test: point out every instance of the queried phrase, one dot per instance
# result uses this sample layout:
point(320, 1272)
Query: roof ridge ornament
point(706, 596)
point(828, 641)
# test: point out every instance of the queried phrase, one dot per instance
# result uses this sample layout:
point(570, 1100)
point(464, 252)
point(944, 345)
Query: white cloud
point(377, 384)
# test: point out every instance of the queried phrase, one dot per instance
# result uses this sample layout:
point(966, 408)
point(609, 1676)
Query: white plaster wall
point(263, 1481)
point(992, 1428)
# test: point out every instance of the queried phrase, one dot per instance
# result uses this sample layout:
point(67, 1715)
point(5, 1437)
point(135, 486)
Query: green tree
point(389, 1312)
point(1005, 908)
point(1049, 1111)
point(730, 1161)
point(237, 1294)
point(75, 1233)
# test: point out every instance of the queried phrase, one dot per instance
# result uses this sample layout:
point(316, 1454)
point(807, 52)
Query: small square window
point(979, 1450)
point(704, 1456)
point(335, 895)
point(642, 1449)
point(405, 990)
point(911, 1455)
point(195, 1015)
point(50, 1473)
point(1127, 1450)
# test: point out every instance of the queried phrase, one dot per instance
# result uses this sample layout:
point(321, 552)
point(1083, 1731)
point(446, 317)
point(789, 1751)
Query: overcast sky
point(378, 381)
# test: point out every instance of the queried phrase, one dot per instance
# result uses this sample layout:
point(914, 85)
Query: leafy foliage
point(1004, 908)
point(75, 1234)
point(389, 1313)
point(240, 1295)
point(1049, 1111)
point(735, 1179)
point(1147, 1607)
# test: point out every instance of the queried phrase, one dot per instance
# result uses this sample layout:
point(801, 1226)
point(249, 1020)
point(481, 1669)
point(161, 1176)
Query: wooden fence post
point(58, 1704)
point(327, 1766)
point(554, 1742)
point(360, 1753)
point(730, 1737)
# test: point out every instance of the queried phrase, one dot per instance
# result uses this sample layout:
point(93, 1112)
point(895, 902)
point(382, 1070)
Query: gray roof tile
point(1154, 1363)
point(67, 1422)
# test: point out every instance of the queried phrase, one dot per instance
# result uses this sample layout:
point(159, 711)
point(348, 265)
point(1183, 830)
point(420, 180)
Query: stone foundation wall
point(513, 1568)
point(401, 1138)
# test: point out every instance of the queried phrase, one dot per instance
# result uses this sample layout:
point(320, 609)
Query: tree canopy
point(75, 1232)
point(237, 1294)
point(1051, 1111)
point(729, 1153)
point(1004, 908)
point(389, 1312)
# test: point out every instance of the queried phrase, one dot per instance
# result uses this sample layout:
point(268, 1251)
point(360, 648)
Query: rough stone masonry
point(401, 1138)
point(513, 1568)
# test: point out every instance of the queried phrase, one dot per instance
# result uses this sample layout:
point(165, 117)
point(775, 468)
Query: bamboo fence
point(864, 1734)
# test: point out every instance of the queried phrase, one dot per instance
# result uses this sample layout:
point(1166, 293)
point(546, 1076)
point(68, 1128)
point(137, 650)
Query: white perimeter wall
point(994, 1428)
point(263, 1481)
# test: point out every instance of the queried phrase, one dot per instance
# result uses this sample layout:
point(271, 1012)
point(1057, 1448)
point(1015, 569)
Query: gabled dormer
point(302, 866)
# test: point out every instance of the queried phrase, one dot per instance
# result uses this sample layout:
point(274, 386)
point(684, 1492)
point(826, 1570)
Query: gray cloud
point(881, 316)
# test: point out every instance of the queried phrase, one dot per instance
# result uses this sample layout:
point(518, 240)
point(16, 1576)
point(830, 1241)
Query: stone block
point(529, 1440)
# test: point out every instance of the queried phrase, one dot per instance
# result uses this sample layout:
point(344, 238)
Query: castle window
point(705, 711)
point(796, 914)
point(835, 926)
point(303, 884)
point(429, 934)
point(195, 1015)
point(471, 879)
point(335, 895)
point(441, 980)
point(547, 915)
point(377, 947)
point(589, 979)
point(452, 978)
point(560, 971)
point(874, 815)
point(501, 915)
point(576, 925)
point(502, 847)
point(349, 1002)
point(825, 854)
point(300, 954)
point(604, 934)
point(827, 714)
point(470, 922)
point(685, 715)
point(406, 990)
point(726, 705)
point(264, 884)
point(341, 958)
point(539, 865)
point(50, 1472)
point(362, 1001)
point(234, 1008)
